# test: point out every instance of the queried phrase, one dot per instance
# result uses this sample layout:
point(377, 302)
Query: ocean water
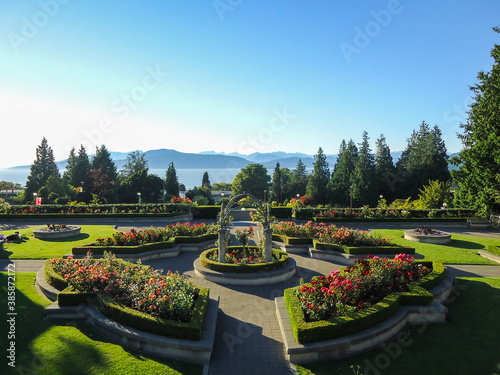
point(188, 177)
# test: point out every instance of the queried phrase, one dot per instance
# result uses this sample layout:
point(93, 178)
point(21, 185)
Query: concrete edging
point(490, 256)
point(365, 340)
point(256, 278)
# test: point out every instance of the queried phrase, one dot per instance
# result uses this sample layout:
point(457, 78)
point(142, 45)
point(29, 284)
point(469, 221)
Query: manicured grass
point(34, 248)
point(59, 347)
point(467, 344)
point(461, 249)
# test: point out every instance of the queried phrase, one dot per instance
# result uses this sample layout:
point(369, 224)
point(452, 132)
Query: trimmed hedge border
point(308, 332)
point(148, 323)
point(52, 277)
point(169, 244)
point(292, 240)
point(244, 268)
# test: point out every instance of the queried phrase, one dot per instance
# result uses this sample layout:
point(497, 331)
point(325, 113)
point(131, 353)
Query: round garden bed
point(244, 271)
point(428, 235)
point(56, 232)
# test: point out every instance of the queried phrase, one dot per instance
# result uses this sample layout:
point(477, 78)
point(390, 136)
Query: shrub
point(208, 259)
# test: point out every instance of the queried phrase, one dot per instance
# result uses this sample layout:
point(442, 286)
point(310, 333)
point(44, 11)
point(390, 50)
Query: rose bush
point(141, 288)
point(358, 287)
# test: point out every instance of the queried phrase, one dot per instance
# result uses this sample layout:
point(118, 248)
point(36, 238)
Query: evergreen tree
point(298, 180)
point(77, 167)
point(277, 185)
point(253, 179)
point(171, 181)
point(136, 162)
point(42, 168)
point(385, 171)
point(317, 182)
point(363, 177)
point(205, 181)
point(479, 161)
point(149, 185)
point(340, 185)
point(424, 159)
point(102, 160)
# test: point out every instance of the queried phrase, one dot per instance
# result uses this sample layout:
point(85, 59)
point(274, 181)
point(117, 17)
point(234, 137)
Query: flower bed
point(427, 235)
point(154, 238)
point(56, 232)
point(374, 214)
point(132, 294)
point(239, 262)
point(358, 297)
point(290, 233)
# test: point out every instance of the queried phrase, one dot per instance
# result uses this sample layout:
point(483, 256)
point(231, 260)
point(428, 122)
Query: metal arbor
point(233, 204)
point(224, 215)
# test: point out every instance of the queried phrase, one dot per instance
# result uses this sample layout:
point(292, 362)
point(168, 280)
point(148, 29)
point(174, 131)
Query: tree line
point(359, 176)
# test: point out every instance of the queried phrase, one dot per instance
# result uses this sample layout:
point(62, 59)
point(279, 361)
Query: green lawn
point(33, 248)
point(62, 347)
point(466, 344)
point(461, 249)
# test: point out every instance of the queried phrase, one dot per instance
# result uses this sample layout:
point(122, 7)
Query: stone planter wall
point(46, 235)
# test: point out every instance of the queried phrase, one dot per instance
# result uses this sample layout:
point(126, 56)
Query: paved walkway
point(248, 339)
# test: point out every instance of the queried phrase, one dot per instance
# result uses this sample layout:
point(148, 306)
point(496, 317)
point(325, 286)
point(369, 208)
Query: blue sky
point(236, 75)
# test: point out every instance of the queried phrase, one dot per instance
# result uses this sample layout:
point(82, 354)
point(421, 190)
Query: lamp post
point(34, 198)
point(350, 195)
point(139, 196)
point(265, 191)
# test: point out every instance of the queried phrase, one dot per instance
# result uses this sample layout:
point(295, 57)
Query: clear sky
point(235, 75)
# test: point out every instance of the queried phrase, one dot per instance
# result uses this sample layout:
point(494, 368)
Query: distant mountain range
point(222, 167)
point(160, 159)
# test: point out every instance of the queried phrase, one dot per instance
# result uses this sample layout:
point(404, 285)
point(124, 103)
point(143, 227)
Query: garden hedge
point(205, 212)
point(244, 268)
point(52, 277)
point(292, 240)
point(148, 323)
point(308, 332)
point(168, 244)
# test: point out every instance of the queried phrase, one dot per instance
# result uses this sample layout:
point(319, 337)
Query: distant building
point(5, 194)
point(219, 194)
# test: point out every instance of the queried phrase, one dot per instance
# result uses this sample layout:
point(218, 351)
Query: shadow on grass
point(80, 237)
point(28, 325)
point(466, 245)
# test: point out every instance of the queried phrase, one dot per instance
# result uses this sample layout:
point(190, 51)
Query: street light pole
point(350, 194)
point(139, 195)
